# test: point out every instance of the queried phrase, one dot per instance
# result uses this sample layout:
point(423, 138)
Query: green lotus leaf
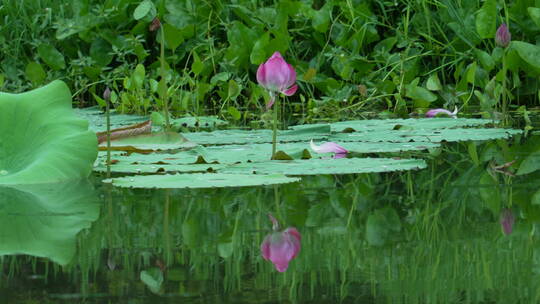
point(199, 180)
point(327, 166)
point(224, 137)
point(426, 135)
point(194, 122)
point(158, 168)
point(396, 124)
point(42, 140)
point(150, 142)
point(98, 123)
point(231, 154)
point(43, 220)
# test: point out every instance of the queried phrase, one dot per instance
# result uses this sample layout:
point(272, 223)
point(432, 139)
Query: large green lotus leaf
point(224, 137)
point(43, 220)
point(199, 180)
point(194, 122)
point(97, 120)
point(327, 166)
point(98, 123)
point(427, 135)
point(150, 142)
point(231, 154)
point(158, 168)
point(411, 123)
point(42, 140)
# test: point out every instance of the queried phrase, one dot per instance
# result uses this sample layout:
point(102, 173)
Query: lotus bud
point(155, 25)
point(107, 94)
point(276, 75)
point(503, 36)
point(435, 112)
point(280, 247)
point(507, 221)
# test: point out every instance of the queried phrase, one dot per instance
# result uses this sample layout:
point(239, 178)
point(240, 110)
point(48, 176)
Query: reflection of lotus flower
point(280, 247)
point(276, 75)
point(507, 221)
point(329, 147)
point(435, 112)
point(503, 36)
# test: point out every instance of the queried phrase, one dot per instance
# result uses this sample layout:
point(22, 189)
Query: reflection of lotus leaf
point(43, 220)
point(42, 140)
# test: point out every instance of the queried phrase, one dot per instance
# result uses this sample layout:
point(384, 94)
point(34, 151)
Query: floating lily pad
point(231, 154)
point(327, 166)
point(433, 135)
point(97, 120)
point(224, 137)
point(396, 124)
point(158, 168)
point(42, 140)
point(203, 122)
point(150, 142)
point(199, 180)
point(43, 220)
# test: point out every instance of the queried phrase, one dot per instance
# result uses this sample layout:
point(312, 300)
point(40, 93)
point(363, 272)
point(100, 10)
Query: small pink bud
point(507, 221)
point(107, 94)
point(280, 247)
point(503, 36)
point(155, 25)
point(276, 75)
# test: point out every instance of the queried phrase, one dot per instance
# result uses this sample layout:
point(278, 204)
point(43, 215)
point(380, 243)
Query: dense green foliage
point(351, 56)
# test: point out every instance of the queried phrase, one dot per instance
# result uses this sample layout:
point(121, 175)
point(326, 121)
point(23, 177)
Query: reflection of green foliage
point(44, 220)
point(42, 140)
point(437, 237)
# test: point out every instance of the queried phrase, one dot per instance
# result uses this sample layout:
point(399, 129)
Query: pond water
point(461, 231)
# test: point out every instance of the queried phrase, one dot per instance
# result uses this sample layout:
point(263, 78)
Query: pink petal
point(292, 231)
point(340, 155)
point(435, 112)
point(265, 247)
point(328, 147)
point(261, 75)
point(290, 91)
point(292, 76)
point(295, 238)
point(276, 55)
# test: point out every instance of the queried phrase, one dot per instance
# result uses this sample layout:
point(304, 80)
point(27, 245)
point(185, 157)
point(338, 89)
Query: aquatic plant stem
point(163, 87)
point(107, 110)
point(504, 97)
point(274, 131)
point(277, 202)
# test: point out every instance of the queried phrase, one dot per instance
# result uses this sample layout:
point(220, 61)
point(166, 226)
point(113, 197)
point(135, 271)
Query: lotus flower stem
point(274, 130)
point(164, 86)
point(278, 210)
point(107, 96)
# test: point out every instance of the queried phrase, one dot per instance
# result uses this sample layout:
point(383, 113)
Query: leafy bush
point(351, 56)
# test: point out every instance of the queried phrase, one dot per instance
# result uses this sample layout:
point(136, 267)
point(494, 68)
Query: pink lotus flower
point(280, 247)
point(329, 147)
point(507, 221)
point(435, 112)
point(503, 36)
point(276, 75)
